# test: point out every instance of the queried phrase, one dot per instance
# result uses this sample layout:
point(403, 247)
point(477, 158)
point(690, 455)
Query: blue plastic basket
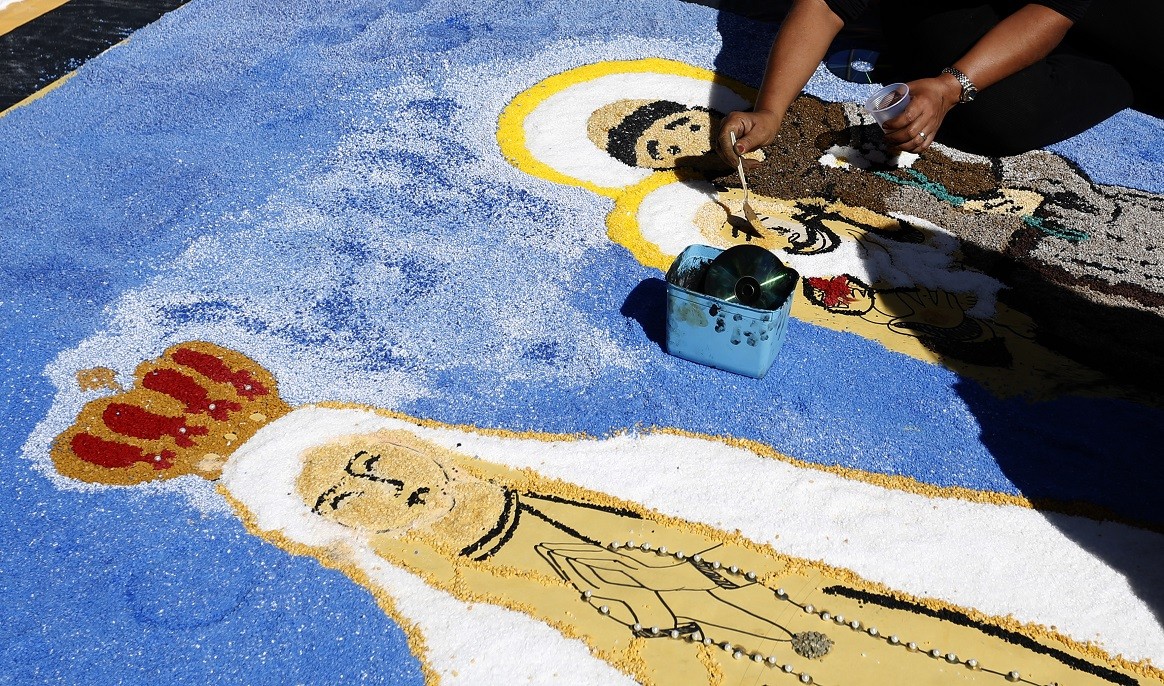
point(710, 331)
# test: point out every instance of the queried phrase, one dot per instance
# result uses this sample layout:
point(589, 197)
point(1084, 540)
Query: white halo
point(666, 216)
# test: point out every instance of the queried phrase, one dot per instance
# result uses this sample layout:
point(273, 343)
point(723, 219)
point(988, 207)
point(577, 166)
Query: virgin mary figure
point(412, 509)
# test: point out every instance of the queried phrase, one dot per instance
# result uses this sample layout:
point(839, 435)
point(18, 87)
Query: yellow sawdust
point(98, 378)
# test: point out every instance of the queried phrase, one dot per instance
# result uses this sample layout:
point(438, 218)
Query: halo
point(659, 221)
point(545, 131)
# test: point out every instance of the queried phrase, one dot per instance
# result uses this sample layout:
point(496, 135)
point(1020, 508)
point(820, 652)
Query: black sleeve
point(1072, 9)
point(847, 10)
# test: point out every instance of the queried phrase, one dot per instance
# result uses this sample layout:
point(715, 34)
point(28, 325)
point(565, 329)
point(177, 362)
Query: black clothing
point(849, 10)
point(1100, 68)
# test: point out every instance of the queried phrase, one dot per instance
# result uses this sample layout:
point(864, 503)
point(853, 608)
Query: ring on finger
point(922, 135)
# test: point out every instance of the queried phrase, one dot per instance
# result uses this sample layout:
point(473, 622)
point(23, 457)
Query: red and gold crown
point(186, 412)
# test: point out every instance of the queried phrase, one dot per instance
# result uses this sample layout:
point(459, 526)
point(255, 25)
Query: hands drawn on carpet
point(657, 595)
point(339, 481)
point(900, 229)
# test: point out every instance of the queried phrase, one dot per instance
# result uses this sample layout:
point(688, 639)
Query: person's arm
point(1016, 42)
point(800, 45)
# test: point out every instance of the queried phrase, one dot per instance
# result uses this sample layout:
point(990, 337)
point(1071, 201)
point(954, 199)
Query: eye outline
point(418, 496)
point(653, 150)
point(332, 497)
point(369, 475)
point(339, 498)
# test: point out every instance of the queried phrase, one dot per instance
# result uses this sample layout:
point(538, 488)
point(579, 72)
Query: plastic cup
point(888, 102)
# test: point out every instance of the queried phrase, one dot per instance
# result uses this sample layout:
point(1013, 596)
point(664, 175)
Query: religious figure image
point(991, 234)
point(659, 598)
point(656, 134)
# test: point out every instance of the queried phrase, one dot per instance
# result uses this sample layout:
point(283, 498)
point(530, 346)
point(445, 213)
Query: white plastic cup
point(888, 102)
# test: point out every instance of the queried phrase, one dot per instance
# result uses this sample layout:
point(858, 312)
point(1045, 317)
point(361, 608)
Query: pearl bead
point(788, 668)
point(911, 646)
point(809, 609)
point(615, 545)
point(935, 653)
point(951, 658)
point(646, 547)
point(715, 565)
point(805, 679)
point(825, 616)
point(654, 631)
point(750, 576)
point(855, 624)
point(734, 569)
point(772, 660)
point(662, 550)
point(680, 555)
point(738, 654)
point(605, 609)
point(726, 646)
point(780, 593)
point(894, 640)
point(839, 619)
point(637, 627)
point(707, 641)
point(697, 558)
point(587, 594)
point(674, 633)
point(972, 663)
point(873, 631)
point(1013, 676)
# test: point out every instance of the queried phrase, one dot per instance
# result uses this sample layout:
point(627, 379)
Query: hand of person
point(753, 130)
point(930, 100)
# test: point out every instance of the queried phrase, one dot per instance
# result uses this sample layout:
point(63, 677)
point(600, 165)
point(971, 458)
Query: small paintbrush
point(749, 213)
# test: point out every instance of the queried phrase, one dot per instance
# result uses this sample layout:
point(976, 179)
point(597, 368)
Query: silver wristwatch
point(969, 91)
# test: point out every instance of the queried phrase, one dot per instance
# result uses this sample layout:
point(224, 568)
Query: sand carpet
point(255, 239)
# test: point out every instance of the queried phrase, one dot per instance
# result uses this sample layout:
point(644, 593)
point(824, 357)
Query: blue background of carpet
point(220, 107)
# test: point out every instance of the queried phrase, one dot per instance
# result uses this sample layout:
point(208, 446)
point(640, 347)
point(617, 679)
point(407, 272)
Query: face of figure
point(1012, 201)
point(683, 139)
point(379, 483)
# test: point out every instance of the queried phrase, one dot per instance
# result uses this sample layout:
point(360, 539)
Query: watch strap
point(968, 88)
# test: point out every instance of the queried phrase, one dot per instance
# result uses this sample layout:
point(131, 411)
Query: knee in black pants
point(1048, 102)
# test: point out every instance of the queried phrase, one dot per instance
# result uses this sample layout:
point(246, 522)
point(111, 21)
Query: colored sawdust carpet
point(336, 351)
